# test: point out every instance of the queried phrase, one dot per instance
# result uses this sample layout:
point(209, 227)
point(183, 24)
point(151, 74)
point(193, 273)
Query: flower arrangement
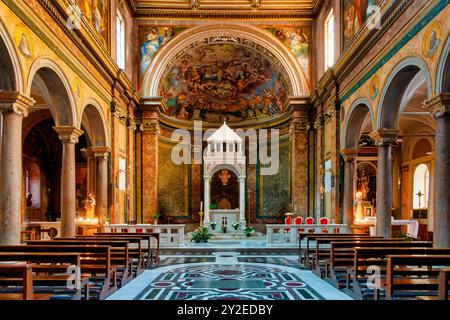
point(235, 225)
point(202, 235)
point(213, 225)
point(248, 231)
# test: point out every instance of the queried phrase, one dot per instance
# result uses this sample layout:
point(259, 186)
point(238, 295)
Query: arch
point(443, 70)
point(298, 85)
point(353, 123)
point(94, 122)
point(229, 166)
point(13, 80)
point(400, 77)
point(46, 74)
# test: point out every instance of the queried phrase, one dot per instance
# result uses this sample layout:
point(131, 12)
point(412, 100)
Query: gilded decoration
point(432, 39)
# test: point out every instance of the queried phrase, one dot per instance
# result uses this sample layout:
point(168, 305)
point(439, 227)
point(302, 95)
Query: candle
point(201, 205)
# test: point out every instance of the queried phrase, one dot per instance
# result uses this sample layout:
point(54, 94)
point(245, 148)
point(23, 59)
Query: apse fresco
point(356, 13)
point(173, 184)
point(96, 14)
point(223, 80)
point(297, 39)
point(151, 39)
point(273, 190)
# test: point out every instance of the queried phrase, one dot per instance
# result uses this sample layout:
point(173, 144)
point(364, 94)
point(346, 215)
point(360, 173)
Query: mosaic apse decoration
point(228, 282)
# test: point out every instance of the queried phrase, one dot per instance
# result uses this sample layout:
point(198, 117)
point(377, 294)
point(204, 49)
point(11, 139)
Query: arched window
point(120, 40)
point(421, 187)
point(329, 40)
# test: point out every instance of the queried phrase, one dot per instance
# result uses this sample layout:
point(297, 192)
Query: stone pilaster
point(14, 107)
point(101, 182)
point(384, 139)
point(439, 107)
point(69, 137)
point(348, 196)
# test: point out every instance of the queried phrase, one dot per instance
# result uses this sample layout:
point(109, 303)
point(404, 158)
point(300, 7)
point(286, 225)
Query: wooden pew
point(342, 256)
point(154, 254)
point(135, 250)
point(317, 258)
point(399, 286)
point(95, 264)
point(120, 255)
point(444, 284)
point(50, 263)
point(365, 257)
point(303, 254)
point(27, 282)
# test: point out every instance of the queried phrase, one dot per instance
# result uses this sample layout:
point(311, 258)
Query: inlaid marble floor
point(228, 276)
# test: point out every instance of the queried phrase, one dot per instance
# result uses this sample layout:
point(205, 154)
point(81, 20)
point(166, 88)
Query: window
point(329, 40)
point(421, 187)
point(120, 40)
point(122, 174)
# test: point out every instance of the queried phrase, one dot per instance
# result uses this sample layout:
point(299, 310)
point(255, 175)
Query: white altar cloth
point(412, 226)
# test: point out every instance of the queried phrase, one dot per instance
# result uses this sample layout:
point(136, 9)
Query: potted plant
point(248, 231)
point(156, 217)
point(224, 228)
point(202, 235)
point(235, 225)
point(213, 225)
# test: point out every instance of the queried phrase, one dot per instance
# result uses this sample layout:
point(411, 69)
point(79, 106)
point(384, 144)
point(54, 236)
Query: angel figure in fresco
point(299, 45)
point(90, 205)
point(349, 22)
point(150, 46)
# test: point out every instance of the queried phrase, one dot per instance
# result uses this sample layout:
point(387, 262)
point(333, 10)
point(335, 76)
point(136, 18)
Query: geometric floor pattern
point(228, 282)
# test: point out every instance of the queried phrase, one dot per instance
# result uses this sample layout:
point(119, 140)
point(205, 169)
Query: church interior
point(224, 150)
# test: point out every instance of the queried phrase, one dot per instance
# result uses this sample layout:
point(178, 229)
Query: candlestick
point(201, 205)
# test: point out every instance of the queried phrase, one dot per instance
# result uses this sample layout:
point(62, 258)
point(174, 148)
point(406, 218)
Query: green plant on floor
point(213, 225)
point(213, 206)
point(224, 229)
point(248, 231)
point(404, 236)
point(202, 235)
point(235, 225)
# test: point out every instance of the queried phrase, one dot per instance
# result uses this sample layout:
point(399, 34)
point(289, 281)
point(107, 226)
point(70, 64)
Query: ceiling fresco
point(224, 77)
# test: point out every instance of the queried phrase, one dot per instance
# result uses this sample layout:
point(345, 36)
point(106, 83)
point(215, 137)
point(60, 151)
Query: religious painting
point(173, 184)
point(96, 13)
point(298, 40)
point(32, 185)
point(374, 88)
point(355, 15)
point(151, 39)
point(222, 79)
point(81, 173)
point(432, 39)
point(366, 181)
point(274, 190)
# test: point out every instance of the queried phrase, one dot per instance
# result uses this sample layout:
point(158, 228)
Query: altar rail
point(171, 235)
point(288, 233)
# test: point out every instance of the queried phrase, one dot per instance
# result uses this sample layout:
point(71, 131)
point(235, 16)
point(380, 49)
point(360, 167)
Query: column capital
point(68, 134)
point(349, 155)
point(439, 105)
point(14, 101)
point(100, 152)
point(150, 126)
point(384, 136)
point(298, 126)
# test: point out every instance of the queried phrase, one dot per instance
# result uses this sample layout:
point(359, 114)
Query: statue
point(89, 205)
point(364, 183)
point(358, 205)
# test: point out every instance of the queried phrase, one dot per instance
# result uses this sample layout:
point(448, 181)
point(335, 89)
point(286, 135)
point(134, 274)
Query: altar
point(225, 216)
point(412, 226)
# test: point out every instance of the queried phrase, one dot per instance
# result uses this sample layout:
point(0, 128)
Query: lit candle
point(201, 205)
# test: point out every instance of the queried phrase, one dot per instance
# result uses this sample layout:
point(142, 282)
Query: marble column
point(242, 201)
point(384, 139)
point(207, 218)
point(14, 107)
point(348, 196)
point(439, 107)
point(69, 137)
point(101, 182)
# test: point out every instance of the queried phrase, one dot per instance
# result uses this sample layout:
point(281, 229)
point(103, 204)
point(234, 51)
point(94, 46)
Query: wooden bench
point(342, 256)
point(95, 264)
point(46, 268)
point(444, 284)
point(154, 254)
point(366, 257)
point(120, 255)
point(414, 285)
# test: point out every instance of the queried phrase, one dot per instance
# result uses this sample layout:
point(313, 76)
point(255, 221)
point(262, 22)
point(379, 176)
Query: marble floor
point(243, 274)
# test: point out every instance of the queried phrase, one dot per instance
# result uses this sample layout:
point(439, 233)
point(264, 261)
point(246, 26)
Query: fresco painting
point(152, 38)
point(220, 80)
point(356, 13)
point(96, 14)
point(297, 39)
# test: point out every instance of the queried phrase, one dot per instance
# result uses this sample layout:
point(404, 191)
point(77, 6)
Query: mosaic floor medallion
point(228, 282)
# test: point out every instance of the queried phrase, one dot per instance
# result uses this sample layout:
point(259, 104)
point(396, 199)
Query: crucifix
point(224, 176)
point(419, 194)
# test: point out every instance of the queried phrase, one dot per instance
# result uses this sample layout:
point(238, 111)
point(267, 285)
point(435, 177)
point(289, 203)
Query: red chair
point(310, 220)
point(297, 221)
point(287, 220)
point(324, 220)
